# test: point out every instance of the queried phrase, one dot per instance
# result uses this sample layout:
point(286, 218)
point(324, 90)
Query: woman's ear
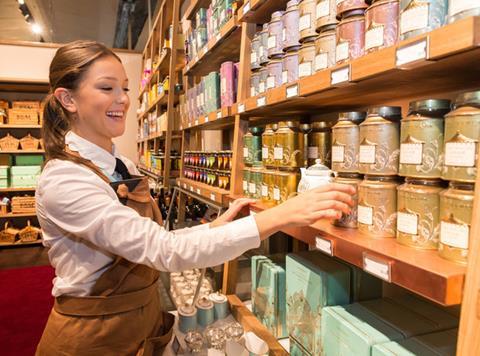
point(65, 98)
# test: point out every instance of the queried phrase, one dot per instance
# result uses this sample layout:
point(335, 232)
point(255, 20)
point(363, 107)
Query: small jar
point(460, 9)
point(307, 23)
point(255, 182)
point(325, 45)
point(268, 180)
point(254, 83)
point(306, 58)
point(289, 145)
point(377, 206)
point(345, 142)
point(381, 29)
point(326, 14)
point(263, 50)
point(350, 39)
point(347, 6)
point(254, 53)
point(421, 16)
point(353, 180)
point(462, 132)
point(456, 206)
point(290, 67)
point(275, 31)
point(421, 139)
point(274, 68)
point(246, 180)
point(291, 34)
point(262, 84)
point(285, 185)
point(418, 208)
point(380, 141)
point(267, 146)
point(320, 143)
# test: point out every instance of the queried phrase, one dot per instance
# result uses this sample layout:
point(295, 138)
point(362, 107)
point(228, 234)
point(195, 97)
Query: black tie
point(121, 169)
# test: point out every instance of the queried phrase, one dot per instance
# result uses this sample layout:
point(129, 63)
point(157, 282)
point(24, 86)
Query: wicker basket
point(9, 234)
point(3, 111)
point(29, 233)
point(23, 205)
point(23, 116)
point(29, 142)
point(9, 143)
point(26, 104)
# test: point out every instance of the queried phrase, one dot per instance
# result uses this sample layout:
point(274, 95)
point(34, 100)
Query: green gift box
point(4, 183)
point(25, 181)
point(29, 160)
point(4, 172)
point(25, 170)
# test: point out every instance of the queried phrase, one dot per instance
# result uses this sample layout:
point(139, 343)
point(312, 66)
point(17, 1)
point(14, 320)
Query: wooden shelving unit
point(22, 151)
point(260, 11)
point(214, 194)
point(7, 126)
point(215, 119)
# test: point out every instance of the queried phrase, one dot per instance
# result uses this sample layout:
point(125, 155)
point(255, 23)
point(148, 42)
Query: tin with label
point(460, 9)
point(346, 6)
point(345, 142)
point(306, 59)
point(285, 185)
point(291, 34)
point(247, 148)
point(307, 21)
point(354, 180)
point(275, 35)
point(381, 29)
point(325, 45)
point(255, 182)
point(289, 145)
point(246, 180)
point(254, 53)
point(268, 182)
point(254, 83)
point(350, 39)
point(262, 82)
point(290, 67)
point(421, 16)
point(274, 68)
point(320, 143)
point(263, 49)
point(326, 14)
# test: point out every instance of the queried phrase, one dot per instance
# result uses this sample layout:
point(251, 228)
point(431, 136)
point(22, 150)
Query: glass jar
point(325, 45)
point(421, 16)
point(462, 132)
point(289, 145)
point(290, 67)
point(326, 14)
point(275, 32)
point(350, 39)
point(307, 23)
point(306, 58)
point(354, 180)
point(460, 9)
point(320, 143)
point(380, 141)
point(421, 139)
point(268, 180)
point(274, 68)
point(263, 50)
point(418, 207)
point(291, 34)
point(267, 146)
point(456, 206)
point(381, 29)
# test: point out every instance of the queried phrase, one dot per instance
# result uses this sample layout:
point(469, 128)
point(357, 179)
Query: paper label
point(270, 82)
point(411, 153)
point(206, 118)
point(223, 85)
point(407, 223)
point(278, 153)
point(460, 154)
point(341, 51)
point(284, 34)
point(191, 189)
point(184, 186)
point(338, 154)
point(341, 75)
point(261, 50)
point(321, 61)
point(245, 185)
point(454, 235)
point(276, 194)
point(261, 101)
point(212, 196)
point(411, 53)
point(457, 6)
point(324, 245)
point(219, 114)
point(245, 152)
point(312, 152)
point(374, 37)
point(241, 108)
point(264, 152)
point(252, 188)
point(264, 190)
point(367, 154)
point(261, 87)
point(253, 57)
point(377, 268)
point(284, 77)
point(323, 9)
point(253, 92)
point(199, 192)
point(292, 91)
point(304, 22)
point(305, 69)
point(246, 8)
point(365, 215)
point(414, 19)
point(272, 42)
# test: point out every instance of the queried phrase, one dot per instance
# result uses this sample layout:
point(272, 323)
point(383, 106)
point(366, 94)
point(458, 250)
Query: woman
point(107, 254)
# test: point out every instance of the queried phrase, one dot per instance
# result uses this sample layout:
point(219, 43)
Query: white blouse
point(85, 225)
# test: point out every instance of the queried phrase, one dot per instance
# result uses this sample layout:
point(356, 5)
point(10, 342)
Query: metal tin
point(326, 14)
point(254, 52)
point(255, 182)
point(262, 83)
point(421, 16)
point(275, 35)
point(345, 142)
point(220, 305)
point(285, 185)
point(187, 318)
point(421, 139)
point(247, 148)
point(263, 50)
point(377, 206)
point(291, 34)
point(456, 206)
point(325, 45)
point(307, 23)
point(380, 141)
point(354, 180)
point(350, 39)
point(274, 68)
point(267, 146)
point(289, 146)
point(246, 179)
point(254, 83)
point(460, 9)
point(418, 208)
point(290, 67)
point(205, 312)
point(462, 131)
point(268, 182)
point(320, 143)
point(381, 29)
point(306, 58)
point(256, 144)
point(349, 5)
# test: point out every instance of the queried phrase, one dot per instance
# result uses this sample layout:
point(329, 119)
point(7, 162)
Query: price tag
point(246, 7)
point(191, 189)
point(184, 186)
point(219, 114)
point(324, 245)
point(292, 91)
point(206, 118)
point(341, 75)
point(411, 53)
point(261, 101)
point(218, 37)
point(212, 196)
point(241, 108)
point(196, 122)
point(377, 266)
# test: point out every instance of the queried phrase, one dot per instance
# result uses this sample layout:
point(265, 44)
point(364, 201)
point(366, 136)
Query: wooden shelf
point(20, 243)
point(161, 99)
point(156, 174)
point(13, 190)
point(449, 65)
point(260, 11)
point(221, 48)
point(162, 135)
point(23, 151)
point(214, 194)
point(8, 126)
point(25, 86)
point(218, 119)
point(194, 6)
point(162, 66)
point(10, 215)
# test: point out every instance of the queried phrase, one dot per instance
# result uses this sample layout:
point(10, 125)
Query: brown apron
point(123, 314)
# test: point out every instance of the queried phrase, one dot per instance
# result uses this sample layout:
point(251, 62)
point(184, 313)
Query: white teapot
point(314, 176)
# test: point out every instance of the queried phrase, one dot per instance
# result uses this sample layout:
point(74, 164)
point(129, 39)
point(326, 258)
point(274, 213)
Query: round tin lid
point(187, 310)
point(435, 182)
point(204, 303)
point(469, 98)
point(277, 15)
point(257, 130)
point(218, 297)
point(434, 107)
point(388, 112)
point(355, 116)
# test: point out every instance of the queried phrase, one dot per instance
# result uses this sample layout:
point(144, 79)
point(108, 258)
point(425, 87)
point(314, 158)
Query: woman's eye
point(106, 88)
point(126, 90)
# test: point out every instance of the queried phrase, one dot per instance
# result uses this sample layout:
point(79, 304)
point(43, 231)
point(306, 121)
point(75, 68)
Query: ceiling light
point(36, 29)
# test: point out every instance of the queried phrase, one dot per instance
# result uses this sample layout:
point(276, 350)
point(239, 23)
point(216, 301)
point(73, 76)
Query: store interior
point(268, 99)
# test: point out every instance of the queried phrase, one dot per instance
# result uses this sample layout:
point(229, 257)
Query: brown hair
point(67, 70)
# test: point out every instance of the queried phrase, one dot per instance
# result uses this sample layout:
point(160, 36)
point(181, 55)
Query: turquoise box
point(314, 281)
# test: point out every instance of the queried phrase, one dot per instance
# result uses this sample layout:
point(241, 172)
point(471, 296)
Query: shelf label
point(261, 101)
point(407, 223)
point(206, 118)
point(196, 122)
point(184, 186)
point(454, 235)
point(241, 108)
point(324, 245)
point(411, 53)
point(292, 91)
point(340, 75)
point(199, 192)
point(212, 196)
point(377, 266)
point(246, 8)
point(455, 7)
point(460, 154)
point(191, 189)
point(219, 114)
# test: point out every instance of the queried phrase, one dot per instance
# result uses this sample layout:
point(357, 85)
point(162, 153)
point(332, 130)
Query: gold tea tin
point(354, 180)
point(267, 146)
point(380, 141)
point(462, 131)
point(289, 145)
point(345, 139)
point(421, 139)
point(285, 185)
point(268, 181)
point(255, 182)
point(246, 180)
point(307, 22)
point(456, 206)
point(377, 206)
point(325, 45)
point(326, 14)
point(306, 58)
point(320, 143)
point(418, 207)
point(247, 148)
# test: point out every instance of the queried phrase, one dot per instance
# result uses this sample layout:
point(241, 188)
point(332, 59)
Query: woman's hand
point(232, 211)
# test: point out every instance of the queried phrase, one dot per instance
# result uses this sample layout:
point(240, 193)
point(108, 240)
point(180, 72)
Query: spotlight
point(36, 29)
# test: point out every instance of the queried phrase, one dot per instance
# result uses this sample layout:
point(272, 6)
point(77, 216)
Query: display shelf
point(161, 66)
point(214, 194)
point(161, 135)
point(260, 11)
point(223, 47)
point(194, 6)
point(161, 99)
point(214, 120)
point(24, 85)
point(20, 243)
point(445, 65)
point(10, 215)
point(22, 151)
point(157, 174)
point(14, 190)
point(8, 126)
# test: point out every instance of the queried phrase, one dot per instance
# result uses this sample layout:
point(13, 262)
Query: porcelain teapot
point(314, 176)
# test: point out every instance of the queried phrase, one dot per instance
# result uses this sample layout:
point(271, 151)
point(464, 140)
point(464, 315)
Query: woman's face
point(101, 102)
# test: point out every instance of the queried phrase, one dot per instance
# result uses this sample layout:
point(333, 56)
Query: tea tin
point(247, 148)
point(307, 23)
point(254, 83)
point(350, 39)
point(262, 82)
point(246, 180)
point(255, 182)
point(306, 57)
point(421, 16)
point(268, 182)
point(289, 145)
point(274, 68)
point(326, 14)
point(381, 29)
point(275, 35)
point(267, 146)
point(325, 45)
point(285, 185)
point(254, 53)
point(263, 49)
point(320, 143)
point(354, 180)
point(460, 9)
point(290, 67)
point(291, 34)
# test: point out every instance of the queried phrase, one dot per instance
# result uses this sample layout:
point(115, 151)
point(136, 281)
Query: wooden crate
point(26, 104)
point(9, 143)
point(23, 205)
point(29, 142)
point(23, 116)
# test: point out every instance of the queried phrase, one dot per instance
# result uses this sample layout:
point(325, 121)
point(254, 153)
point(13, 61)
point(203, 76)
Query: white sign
point(304, 22)
point(374, 37)
point(270, 82)
point(212, 196)
point(323, 9)
point(411, 153)
point(342, 51)
point(321, 61)
point(264, 152)
point(414, 18)
point(252, 188)
point(219, 114)
point(241, 108)
point(245, 152)
point(278, 153)
point(264, 190)
point(378, 268)
point(340, 75)
point(276, 194)
point(292, 91)
point(411, 53)
point(458, 6)
point(324, 245)
point(460, 154)
point(246, 7)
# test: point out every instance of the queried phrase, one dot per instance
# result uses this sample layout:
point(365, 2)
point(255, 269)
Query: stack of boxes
point(24, 174)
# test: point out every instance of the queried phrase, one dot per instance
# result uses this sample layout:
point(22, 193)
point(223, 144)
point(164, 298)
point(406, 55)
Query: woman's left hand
point(232, 211)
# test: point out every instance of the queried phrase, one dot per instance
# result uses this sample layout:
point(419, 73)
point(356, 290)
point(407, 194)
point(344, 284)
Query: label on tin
point(304, 22)
point(312, 152)
point(454, 235)
point(253, 57)
point(270, 82)
point(196, 122)
point(264, 190)
point(341, 51)
point(411, 153)
point(264, 152)
point(261, 49)
point(365, 215)
point(241, 107)
point(460, 154)
point(407, 223)
point(278, 153)
point(305, 69)
point(321, 61)
point(457, 6)
point(367, 154)
point(252, 189)
point(323, 9)
point(374, 37)
point(414, 18)
point(272, 42)
point(262, 101)
point(261, 87)
point(338, 154)
point(246, 8)
point(245, 186)
point(284, 34)
point(284, 77)
point(276, 194)
point(245, 152)
point(253, 92)
point(223, 85)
